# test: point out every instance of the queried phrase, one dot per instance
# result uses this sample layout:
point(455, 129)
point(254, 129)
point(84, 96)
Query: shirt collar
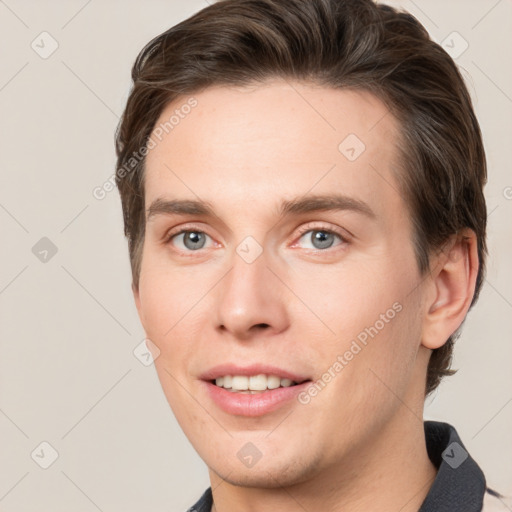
point(460, 483)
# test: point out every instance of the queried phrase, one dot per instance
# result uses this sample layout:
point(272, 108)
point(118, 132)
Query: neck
point(390, 472)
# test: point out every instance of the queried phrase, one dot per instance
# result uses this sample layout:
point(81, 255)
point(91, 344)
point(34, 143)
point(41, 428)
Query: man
point(301, 183)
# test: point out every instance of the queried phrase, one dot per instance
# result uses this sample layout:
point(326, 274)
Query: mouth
point(252, 391)
point(253, 384)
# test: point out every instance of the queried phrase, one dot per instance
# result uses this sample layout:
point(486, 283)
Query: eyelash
point(302, 231)
point(323, 229)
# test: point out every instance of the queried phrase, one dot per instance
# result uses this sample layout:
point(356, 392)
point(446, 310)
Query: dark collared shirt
point(458, 487)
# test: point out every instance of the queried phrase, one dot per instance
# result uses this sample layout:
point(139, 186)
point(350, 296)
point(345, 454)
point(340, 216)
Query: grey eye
point(319, 239)
point(194, 240)
point(322, 239)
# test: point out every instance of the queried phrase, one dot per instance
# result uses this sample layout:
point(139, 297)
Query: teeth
point(240, 382)
point(254, 383)
point(273, 382)
point(257, 383)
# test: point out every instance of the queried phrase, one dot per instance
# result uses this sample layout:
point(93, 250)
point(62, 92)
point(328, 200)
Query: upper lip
point(253, 369)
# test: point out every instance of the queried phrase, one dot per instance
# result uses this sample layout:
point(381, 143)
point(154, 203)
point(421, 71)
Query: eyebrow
point(297, 206)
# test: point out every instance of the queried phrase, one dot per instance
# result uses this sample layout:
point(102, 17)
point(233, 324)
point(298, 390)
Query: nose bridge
point(251, 295)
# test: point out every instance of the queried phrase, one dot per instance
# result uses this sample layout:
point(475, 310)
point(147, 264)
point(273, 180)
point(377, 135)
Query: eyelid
point(311, 226)
point(170, 233)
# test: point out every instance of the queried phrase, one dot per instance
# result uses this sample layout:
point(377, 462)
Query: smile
point(253, 383)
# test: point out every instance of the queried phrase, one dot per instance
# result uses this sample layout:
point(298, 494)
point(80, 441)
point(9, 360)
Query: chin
point(272, 471)
point(262, 478)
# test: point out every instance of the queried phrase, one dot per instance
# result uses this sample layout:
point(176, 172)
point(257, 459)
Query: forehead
point(266, 142)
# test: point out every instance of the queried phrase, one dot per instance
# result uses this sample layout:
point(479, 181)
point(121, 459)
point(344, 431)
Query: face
point(278, 247)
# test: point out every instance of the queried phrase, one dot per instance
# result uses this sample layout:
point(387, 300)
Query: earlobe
point(453, 279)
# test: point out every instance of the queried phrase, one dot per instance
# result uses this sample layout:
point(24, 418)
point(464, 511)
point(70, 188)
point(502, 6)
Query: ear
point(452, 286)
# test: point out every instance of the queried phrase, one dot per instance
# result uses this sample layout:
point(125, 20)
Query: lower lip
point(258, 404)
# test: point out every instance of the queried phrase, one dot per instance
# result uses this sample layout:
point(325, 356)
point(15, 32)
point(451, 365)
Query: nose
point(251, 299)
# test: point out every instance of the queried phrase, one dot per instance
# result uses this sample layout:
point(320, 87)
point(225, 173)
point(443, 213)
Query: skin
point(359, 444)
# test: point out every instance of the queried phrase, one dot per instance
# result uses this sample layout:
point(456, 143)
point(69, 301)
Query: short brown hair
point(346, 44)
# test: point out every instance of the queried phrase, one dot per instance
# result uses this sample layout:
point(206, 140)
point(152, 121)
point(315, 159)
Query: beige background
point(68, 326)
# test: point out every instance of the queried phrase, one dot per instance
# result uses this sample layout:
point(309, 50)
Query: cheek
point(170, 301)
point(167, 296)
point(347, 300)
point(367, 372)
point(176, 306)
point(161, 310)
point(367, 317)
point(158, 306)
